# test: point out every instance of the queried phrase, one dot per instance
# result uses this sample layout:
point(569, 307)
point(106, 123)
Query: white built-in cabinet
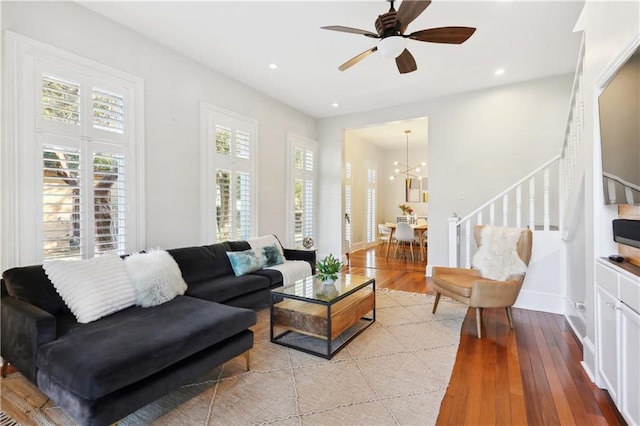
point(618, 336)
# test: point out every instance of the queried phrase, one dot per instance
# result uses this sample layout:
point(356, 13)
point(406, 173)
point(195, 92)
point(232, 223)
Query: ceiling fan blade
point(405, 62)
point(451, 35)
point(350, 30)
point(351, 62)
point(408, 11)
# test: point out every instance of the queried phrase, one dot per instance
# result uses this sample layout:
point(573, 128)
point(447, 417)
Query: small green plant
point(328, 268)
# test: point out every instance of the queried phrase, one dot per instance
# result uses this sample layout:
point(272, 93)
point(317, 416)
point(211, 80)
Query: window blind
point(60, 100)
point(243, 145)
point(108, 111)
point(302, 184)
point(243, 205)
point(223, 140)
point(61, 202)
point(347, 200)
point(84, 189)
point(371, 203)
point(234, 203)
point(109, 203)
point(223, 204)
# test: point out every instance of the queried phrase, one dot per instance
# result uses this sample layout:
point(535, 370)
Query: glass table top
point(313, 289)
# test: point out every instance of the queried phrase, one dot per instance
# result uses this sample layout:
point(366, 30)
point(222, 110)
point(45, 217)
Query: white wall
point(479, 143)
point(174, 86)
point(611, 28)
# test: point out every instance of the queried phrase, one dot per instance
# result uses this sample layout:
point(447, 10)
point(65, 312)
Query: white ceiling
point(529, 39)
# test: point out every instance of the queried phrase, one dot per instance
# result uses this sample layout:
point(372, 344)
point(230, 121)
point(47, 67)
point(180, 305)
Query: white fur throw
point(292, 271)
point(155, 276)
point(92, 288)
point(268, 240)
point(497, 258)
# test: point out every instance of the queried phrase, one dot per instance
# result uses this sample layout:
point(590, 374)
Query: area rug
point(395, 373)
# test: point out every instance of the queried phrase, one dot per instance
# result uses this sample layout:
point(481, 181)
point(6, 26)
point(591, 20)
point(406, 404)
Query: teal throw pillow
point(271, 255)
point(244, 262)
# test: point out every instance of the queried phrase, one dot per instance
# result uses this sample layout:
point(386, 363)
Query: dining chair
point(385, 234)
point(404, 234)
point(419, 222)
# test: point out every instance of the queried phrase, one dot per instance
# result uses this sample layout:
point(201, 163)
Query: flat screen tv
point(619, 106)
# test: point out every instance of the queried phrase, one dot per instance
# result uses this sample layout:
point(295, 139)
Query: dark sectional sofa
point(103, 370)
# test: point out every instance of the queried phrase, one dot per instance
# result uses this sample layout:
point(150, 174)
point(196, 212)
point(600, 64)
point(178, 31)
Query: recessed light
point(335, 105)
point(499, 71)
point(273, 66)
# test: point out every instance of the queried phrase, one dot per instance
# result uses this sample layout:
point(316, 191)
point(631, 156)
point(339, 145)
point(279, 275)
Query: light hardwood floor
point(527, 376)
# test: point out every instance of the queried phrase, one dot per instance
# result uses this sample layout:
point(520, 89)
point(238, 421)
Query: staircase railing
point(519, 203)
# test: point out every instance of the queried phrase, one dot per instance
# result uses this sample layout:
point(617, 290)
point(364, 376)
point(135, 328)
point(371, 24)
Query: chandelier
point(406, 169)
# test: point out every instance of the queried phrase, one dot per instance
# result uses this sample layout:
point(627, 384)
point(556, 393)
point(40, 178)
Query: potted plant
point(328, 269)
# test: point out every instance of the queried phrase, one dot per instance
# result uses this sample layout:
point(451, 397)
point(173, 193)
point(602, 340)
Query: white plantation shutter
point(60, 100)
point(75, 166)
point(228, 147)
point(243, 205)
point(298, 229)
point(84, 188)
point(302, 189)
point(61, 202)
point(371, 202)
point(243, 144)
point(308, 208)
point(223, 204)
point(109, 203)
point(108, 111)
point(223, 140)
point(347, 200)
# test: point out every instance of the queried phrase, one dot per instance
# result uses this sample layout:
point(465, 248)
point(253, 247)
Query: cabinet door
point(608, 342)
point(630, 364)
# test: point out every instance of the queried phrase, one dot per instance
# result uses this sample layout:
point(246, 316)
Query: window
point(302, 172)
point(83, 187)
point(83, 128)
point(371, 189)
point(347, 201)
point(228, 176)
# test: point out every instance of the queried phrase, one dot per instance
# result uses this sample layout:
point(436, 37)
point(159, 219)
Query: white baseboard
point(430, 270)
point(589, 359)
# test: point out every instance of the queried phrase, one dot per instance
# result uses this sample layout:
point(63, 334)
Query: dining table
point(419, 229)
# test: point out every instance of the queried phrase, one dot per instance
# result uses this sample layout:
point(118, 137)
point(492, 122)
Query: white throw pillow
point(92, 288)
point(497, 258)
point(267, 240)
point(155, 276)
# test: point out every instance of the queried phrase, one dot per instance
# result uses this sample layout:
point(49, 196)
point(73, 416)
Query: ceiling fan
point(390, 28)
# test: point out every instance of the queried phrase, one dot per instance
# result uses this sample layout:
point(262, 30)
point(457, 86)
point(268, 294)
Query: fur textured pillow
point(271, 255)
point(155, 276)
point(92, 288)
point(497, 258)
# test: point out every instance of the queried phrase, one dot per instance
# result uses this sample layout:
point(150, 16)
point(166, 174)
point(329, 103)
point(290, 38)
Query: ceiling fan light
point(391, 47)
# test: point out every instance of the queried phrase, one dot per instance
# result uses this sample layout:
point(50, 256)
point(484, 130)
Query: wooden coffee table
point(320, 318)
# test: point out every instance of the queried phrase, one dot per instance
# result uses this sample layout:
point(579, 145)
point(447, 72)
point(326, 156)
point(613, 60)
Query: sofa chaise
point(100, 371)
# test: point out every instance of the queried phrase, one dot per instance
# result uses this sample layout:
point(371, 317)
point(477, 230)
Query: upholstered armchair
point(468, 286)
